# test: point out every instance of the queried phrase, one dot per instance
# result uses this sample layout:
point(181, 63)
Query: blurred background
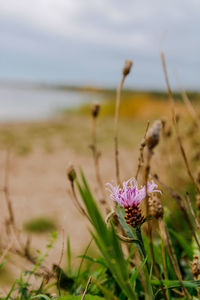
point(57, 57)
point(45, 44)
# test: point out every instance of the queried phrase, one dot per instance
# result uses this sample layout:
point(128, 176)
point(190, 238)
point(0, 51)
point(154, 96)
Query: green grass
point(40, 225)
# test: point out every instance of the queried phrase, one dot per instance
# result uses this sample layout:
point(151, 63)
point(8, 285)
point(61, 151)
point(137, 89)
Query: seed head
point(127, 67)
point(95, 110)
point(195, 267)
point(71, 174)
point(156, 207)
point(153, 134)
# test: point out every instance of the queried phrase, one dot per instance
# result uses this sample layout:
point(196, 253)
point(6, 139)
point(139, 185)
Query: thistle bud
point(195, 267)
point(156, 207)
point(127, 67)
point(153, 134)
point(95, 110)
point(71, 174)
point(134, 216)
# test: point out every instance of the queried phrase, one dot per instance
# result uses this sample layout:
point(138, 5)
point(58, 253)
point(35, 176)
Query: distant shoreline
point(88, 88)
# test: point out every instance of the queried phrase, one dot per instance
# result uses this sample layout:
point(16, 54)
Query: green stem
point(139, 236)
point(147, 271)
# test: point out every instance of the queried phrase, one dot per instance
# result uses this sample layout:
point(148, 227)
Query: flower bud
point(71, 174)
point(195, 267)
point(127, 67)
point(95, 110)
point(156, 207)
point(134, 216)
point(153, 134)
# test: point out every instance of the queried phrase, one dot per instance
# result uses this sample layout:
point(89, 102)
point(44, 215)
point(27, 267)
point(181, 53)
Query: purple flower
point(130, 195)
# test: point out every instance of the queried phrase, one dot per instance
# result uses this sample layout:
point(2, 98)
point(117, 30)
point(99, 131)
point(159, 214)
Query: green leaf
point(105, 291)
point(107, 241)
point(187, 247)
point(68, 256)
point(176, 283)
point(128, 229)
point(135, 271)
point(11, 290)
point(94, 260)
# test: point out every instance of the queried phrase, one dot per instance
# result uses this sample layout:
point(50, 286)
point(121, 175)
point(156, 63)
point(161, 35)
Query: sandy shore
point(39, 188)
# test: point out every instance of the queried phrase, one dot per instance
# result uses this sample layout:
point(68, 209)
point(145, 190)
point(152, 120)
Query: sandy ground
point(39, 187)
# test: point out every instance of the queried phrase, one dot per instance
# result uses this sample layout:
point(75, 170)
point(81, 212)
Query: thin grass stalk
point(172, 102)
point(96, 156)
point(164, 266)
point(141, 156)
point(167, 242)
point(180, 202)
point(149, 227)
point(176, 262)
point(6, 189)
point(151, 139)
point(72, 176)
point(84, 254)
point(62, 249)
point(116, 129)
point(6, 251)
point(87, 286)
point(192, 211)
point(11, 221)
point(125, 71)
point(146, 176)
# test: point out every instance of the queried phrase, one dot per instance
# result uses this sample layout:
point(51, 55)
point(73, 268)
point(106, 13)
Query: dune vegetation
point(132, 199)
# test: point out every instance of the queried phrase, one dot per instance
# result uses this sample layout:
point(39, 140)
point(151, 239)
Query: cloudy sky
point(86, 41)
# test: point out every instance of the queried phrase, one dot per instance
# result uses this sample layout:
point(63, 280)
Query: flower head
point(130, 194)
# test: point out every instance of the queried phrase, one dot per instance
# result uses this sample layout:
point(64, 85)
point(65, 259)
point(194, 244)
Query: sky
point(87, 41)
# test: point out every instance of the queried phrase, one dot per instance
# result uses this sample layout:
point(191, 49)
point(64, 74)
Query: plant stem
point(147, 271)
point(116, 128)
point(87, 286)
point(139, 236)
